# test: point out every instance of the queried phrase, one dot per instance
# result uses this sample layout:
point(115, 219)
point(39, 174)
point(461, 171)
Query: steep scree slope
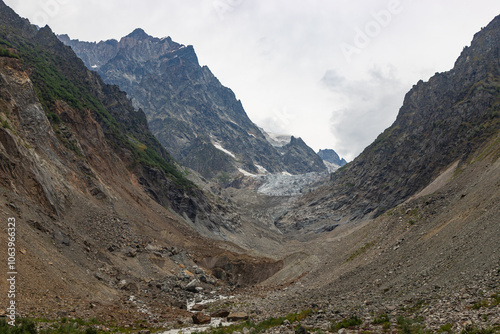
point(199, 121)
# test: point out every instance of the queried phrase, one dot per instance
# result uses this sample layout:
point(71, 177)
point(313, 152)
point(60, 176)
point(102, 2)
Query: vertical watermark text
point(11, 271)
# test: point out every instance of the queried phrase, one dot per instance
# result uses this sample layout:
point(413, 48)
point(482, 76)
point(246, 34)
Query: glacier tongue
point(290, 185)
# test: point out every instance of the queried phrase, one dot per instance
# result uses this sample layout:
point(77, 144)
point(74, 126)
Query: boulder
point(199, 307)
point(220, 313)
point(192, 286)
point(201, 319)
point(130, 252)
point(237, 316)
point(301, 330)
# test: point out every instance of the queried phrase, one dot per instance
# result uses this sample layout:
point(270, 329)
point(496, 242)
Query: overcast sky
point(333, 72)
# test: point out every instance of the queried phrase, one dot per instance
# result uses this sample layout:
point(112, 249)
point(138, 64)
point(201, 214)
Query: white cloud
point(369, 105)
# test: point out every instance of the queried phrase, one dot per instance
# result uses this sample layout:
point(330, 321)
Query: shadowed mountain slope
point(198, 120)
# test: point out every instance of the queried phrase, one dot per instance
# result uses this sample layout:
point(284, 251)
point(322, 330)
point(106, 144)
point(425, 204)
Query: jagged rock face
point(331, 159)
point(199, 121)
point(331, 156)
point(293, 155)
point(440, 122)
point(96, 122)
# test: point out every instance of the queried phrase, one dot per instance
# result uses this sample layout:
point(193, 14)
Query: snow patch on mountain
point(276, 140)
point(219, 147)
point(262, 169)
point(331, 166)
point(244, 172)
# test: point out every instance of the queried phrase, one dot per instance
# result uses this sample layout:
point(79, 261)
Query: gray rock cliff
point(198, 120)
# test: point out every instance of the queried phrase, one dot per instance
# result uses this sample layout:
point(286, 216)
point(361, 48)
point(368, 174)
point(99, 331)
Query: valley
point(147, 201)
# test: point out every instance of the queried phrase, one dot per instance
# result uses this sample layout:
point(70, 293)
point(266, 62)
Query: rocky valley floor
point(431, 264)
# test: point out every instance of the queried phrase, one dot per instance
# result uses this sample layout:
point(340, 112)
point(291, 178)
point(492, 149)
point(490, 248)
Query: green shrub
point(70, 326)
point(346, 323)
point(54, 118)
point(381, 319)
point(446, 328)
point(23, 326)
point(2, 42)
point(263, 325)
point(410, 326)
point(405, 325)
point(5, 124)
point(7, 53)
point(473, 329)
point(485, 303)
point(360, 251)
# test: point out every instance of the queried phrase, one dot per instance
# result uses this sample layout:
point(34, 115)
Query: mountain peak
point(138, 34)
point(331, 156)
point(191, 112)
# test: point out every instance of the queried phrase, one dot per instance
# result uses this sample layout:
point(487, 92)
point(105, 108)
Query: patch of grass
point(491, 150)
point(410, 326)
point(414, 216)
point(5, 123)
point(71, 326)
point(64, 326)
point(353, 321)
point(216, 307)
point(474, 329)
point(391, 212)
point(263, 325)
point(7, 53)
point(360, 251)
point(292, 317)
point(23, 326)
point(480, 304)
point(150, 157)
point(381, 319)
point(447, 328)
point(493, 301)
point(496, 299)
point(7, 44)
point(54, 118)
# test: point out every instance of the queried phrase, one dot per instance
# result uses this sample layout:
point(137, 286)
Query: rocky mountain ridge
point(331, 156)
point(199, 121)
